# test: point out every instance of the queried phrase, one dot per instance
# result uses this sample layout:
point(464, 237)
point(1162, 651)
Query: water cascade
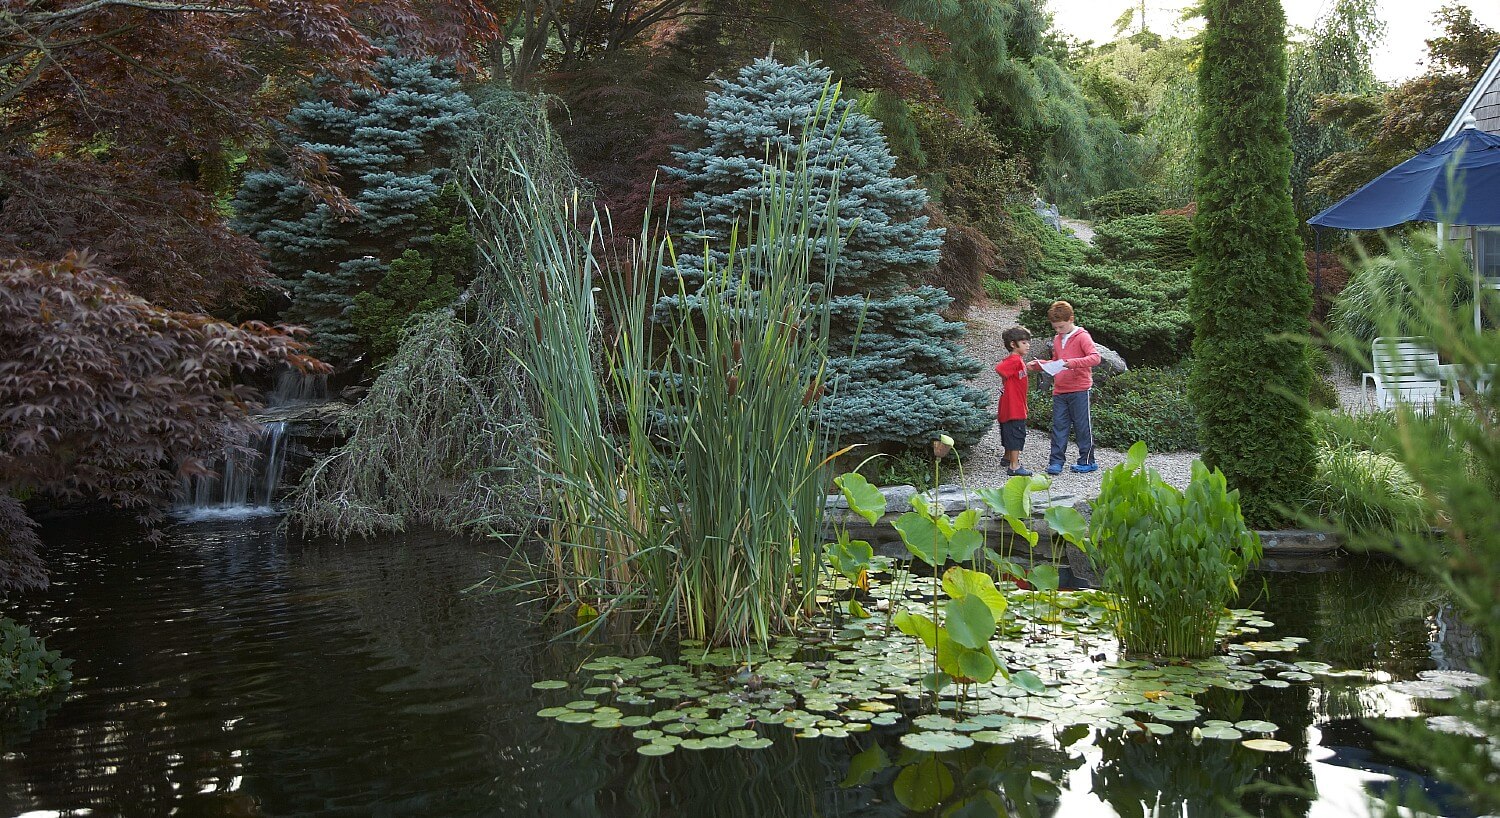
point(245, 485)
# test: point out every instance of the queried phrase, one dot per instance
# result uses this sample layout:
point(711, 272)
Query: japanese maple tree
point(104, 397)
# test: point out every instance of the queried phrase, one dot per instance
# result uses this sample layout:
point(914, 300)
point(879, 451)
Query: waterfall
point(244, 487)
point(293, 388)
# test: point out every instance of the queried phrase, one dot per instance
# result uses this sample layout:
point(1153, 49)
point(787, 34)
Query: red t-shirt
point(1013, 378)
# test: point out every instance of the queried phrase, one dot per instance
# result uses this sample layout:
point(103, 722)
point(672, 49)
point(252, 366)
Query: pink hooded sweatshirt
point(1078, 350)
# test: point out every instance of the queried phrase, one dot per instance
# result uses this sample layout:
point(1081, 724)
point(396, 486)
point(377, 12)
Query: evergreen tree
point(389, 148)
point(905, 378)
point(1250, 297)
point(1334, 59)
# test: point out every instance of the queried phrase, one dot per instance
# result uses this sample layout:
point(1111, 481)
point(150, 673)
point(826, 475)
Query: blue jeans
point(1070, 411)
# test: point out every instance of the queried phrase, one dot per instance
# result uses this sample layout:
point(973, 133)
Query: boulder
point(1110, 362)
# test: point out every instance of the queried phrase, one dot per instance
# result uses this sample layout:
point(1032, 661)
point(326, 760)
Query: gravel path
point(984, 466)
point(1082, 230)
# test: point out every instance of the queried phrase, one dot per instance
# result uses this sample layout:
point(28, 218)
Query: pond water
point(229, 672)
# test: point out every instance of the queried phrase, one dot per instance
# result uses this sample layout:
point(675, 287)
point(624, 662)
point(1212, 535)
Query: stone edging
point(955, 499)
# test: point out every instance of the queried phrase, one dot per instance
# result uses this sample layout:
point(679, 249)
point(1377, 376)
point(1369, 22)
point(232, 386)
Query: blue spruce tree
point(905, 379)
point(390, 148)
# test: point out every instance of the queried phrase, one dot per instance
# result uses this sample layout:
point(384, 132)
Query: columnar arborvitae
point(1250, 297)
point(390, 147)
point(905, 379)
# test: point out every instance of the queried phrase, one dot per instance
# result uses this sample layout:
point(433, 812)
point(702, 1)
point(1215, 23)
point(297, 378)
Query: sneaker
point(1021, 472)
point(1054, 468)
point(1085, 468)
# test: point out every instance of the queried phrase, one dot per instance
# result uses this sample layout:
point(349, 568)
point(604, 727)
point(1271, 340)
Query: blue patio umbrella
point(1419, 188)
point(1455, 182)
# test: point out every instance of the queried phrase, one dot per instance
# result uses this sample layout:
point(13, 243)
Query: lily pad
point(936, 741)
point(654, 749)
point(1219, 731)
point(1452, 678)
point(1267, 745)
point(549, 684)
point(1255, 726)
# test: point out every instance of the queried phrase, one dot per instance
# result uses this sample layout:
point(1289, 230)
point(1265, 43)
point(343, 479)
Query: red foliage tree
point(106, 397)
point(121, 120)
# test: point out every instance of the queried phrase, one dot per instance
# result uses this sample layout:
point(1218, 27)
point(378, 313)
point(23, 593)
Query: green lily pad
point(936, 741)
point(1221, 732)
point(549, 684)
point(552, 712)
point(1267, 745)
point(1255, 726)
point(576, 717)
point(654, 749)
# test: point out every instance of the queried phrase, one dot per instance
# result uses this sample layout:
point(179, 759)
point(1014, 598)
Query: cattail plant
point(684, 459)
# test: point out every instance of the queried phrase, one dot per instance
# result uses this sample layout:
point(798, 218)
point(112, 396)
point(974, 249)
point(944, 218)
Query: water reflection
point(230, 673)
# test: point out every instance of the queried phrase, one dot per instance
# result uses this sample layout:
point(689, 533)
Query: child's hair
point(1060, 311)
point(1015, 335)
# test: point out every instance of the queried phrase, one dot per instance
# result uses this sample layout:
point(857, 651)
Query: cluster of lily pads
point(858, 674)
point(962, 658)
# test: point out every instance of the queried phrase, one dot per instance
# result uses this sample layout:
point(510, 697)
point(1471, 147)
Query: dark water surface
point(230, 673)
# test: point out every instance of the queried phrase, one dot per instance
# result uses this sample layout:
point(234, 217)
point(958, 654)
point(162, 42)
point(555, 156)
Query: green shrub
point(1379, 295)
point(1130, 201)
point(1161, 241)
point(1056, 249)
point(1172, 559)
point(1321, 394)
point(1250, 296)
point(1004, 292)
point(908, 468)
point(1137, 310)
point(27, 668)
point(1146, 404)
point(1364, 491)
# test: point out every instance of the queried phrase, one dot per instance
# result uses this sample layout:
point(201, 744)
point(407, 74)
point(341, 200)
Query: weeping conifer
point(1250, 297)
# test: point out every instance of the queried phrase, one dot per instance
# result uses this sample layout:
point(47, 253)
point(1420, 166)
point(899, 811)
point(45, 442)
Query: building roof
point(1483, 103)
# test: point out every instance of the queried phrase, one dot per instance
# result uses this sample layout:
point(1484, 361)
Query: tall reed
point(685, 458)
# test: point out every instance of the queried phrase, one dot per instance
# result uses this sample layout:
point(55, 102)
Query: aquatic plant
point(1170, 559)
point(835, 678)
point(27, 668)
point(685, 480)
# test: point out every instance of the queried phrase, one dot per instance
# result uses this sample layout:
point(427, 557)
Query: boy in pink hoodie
point(1070, 389)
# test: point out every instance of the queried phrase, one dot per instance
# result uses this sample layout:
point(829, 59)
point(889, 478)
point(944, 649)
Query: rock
point(353, 394)
point(1110, 362)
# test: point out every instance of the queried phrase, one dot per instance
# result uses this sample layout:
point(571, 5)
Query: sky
point(1408, 24)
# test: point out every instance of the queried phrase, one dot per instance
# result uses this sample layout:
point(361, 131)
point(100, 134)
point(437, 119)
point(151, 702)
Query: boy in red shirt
point(1011, 413)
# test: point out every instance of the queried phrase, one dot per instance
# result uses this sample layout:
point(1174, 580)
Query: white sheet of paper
point(1053, 367)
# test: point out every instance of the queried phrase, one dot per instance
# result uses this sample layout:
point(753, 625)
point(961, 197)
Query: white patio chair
point(1406, 372)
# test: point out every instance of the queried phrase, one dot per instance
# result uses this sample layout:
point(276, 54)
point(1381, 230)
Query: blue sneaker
point(1021, 472)
point(1054, 468)
point(1084, 468)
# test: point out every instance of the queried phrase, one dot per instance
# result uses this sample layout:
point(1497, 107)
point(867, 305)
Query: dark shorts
point(1013, 435)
